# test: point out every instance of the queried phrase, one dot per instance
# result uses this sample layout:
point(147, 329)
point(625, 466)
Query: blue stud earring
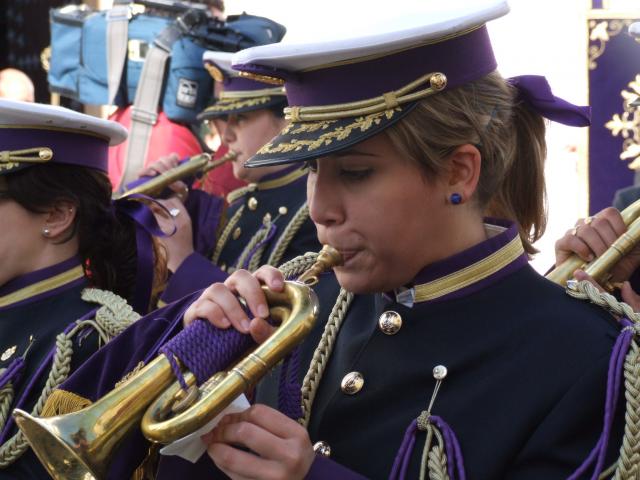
point(455, 198)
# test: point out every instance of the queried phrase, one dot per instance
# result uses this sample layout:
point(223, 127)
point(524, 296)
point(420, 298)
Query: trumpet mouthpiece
point(328, 258)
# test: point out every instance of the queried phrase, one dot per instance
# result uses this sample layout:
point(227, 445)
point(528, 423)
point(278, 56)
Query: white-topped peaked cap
point(432, 21)
point(346, 90)
point(55, 134)
point(238, 94)
point(13, 112)
point(220, 60)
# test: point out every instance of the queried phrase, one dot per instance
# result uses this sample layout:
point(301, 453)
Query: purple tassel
point(452, 449)
point(614, 378)
point(12, 373)
point(146, 226)
point(289, 395)
point(455, 463)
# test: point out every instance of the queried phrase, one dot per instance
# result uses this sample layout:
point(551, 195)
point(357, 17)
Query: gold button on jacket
point(322, 448)
point(390, 322)
point(352, 383)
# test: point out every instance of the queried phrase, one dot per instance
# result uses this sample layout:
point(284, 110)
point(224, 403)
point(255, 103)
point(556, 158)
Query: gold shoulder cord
point(322, 353)
point(222, 241)
point(113, 316)
point(626, 466)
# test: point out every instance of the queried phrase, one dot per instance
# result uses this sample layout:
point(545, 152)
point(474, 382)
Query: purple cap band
point(70, 147)
point(462, 59)
point(242, 84)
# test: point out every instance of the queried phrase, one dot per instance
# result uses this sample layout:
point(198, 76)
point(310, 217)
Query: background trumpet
point(599, 268)
point(196, 166)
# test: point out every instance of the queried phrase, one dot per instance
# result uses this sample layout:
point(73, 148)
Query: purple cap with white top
point(238, 94)
point(34, 134)
point(345, 91)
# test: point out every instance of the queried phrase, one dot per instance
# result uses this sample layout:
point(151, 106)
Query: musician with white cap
point(266, 222)
point(70, 259)
point(446, 354)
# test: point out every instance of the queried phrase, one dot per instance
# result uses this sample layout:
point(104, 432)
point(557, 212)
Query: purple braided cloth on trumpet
point(205, 350)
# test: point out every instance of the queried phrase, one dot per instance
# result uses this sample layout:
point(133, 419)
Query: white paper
point(192, 447)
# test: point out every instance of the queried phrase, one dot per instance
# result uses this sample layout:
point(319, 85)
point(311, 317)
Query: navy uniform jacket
point(527, 371)
point(41, 304)
point(275, 199)
point(524, 393)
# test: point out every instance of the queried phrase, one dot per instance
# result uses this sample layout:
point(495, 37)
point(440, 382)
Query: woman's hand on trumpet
point(590, 238)
point(271, 444)
point(219, 303)
point(278, 447)
point(179, 245)
point(162, 165)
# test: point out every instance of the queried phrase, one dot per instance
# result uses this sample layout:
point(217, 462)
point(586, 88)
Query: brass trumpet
point(79, 445)
point(600, 267)
point(197, 165)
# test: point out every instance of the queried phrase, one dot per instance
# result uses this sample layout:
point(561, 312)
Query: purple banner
point(614, 81)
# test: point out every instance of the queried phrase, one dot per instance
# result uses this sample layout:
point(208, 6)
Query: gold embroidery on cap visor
point(340, 133)
point(320, 130)
point(225, 106)
point(245, 100)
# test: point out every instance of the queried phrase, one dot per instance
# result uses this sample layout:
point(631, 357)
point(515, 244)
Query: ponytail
point(106, 239)
point(522, 196)
point(510, 138)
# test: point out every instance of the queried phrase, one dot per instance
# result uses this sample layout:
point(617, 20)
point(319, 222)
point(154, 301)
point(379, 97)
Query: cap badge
point(215, 72)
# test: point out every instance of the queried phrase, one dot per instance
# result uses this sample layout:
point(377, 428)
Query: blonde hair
point(485, 113)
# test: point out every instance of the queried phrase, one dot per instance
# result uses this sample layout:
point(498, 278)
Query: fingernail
point(277, 283)
point(245, 325)
point(591, 257)
point(225, 321)
point(263, 311)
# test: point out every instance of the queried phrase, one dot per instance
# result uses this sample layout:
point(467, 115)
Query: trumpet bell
point(80, 445)
point(63, 455)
